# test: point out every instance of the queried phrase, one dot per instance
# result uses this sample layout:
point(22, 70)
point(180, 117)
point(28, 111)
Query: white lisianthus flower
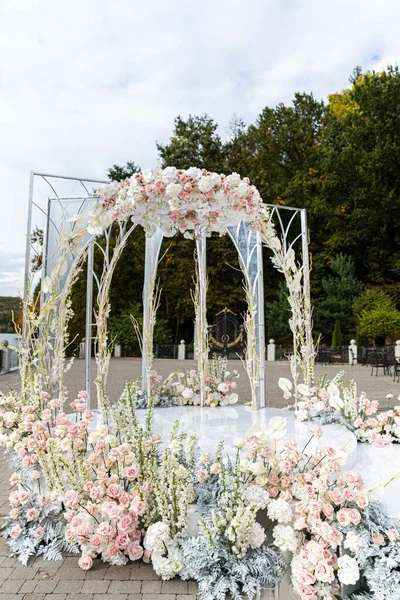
point(280, 510)
point(285, 538)
point(349, 572)
point(233, 179)
point(239, 442)
point(352, 541)
point(233, 398)
point(173, 190)
point(147, 176)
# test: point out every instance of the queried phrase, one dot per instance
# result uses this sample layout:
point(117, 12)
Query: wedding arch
point(164, 202)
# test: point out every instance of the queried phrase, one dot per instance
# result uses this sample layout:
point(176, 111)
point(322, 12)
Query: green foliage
point(194, 143)
point(121, 329)
point(337, 338)
point(340, 289)
point(372, 299)
point(379, 323)
point(277, 317)
point(8, 306)
point(116, 173)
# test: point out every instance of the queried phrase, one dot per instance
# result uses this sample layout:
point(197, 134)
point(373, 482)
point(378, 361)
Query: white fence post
point(271, 351)
point(6, 357)
point(118, 351)
point(353, 352)
point(182, 350)
point(397, 350)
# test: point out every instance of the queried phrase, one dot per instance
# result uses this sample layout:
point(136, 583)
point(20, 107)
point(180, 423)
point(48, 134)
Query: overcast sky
point(86, 84)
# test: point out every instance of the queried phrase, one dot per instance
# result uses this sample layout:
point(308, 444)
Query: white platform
point(213, 425)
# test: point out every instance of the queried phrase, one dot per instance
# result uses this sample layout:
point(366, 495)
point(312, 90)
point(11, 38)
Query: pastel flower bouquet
point(220, 385)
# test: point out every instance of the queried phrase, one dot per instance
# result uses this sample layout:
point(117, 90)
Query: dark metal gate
point(227, 333)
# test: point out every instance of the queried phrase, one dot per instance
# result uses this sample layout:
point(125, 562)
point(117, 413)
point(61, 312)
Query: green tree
point(194, 143)
point(116, 173)
point(337, 338)
point(379, 324)
point(277, 314)
point(340, 289)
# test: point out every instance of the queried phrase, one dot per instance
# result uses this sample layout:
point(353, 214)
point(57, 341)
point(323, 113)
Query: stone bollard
point(118, 351)
point(182, 350)
point(6, 351)
point(353, 352)
point(397, 350)
point(271, 351)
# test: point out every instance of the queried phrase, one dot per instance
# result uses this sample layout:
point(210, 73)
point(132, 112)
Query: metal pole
point(202, 345)
point(260, 316)
point(45, 252)
point(89, 317)
point(307, 297)
point(28, 251)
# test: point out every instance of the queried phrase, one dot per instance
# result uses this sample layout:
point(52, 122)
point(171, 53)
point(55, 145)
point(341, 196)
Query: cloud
point(86, 84)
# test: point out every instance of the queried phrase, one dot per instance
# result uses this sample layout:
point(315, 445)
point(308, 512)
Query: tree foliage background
point(339, 159)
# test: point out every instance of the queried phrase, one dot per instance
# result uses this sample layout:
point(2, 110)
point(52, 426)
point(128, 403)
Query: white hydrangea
point(257, 536)
point(156, 535)
point(349, 572)
point(255, 494)
point(285, 538)
point(167, 567)
point(280, 510)
point(233, 179)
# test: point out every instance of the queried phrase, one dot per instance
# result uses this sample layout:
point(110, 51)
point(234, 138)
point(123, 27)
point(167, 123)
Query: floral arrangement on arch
point(177, 200)
point(220, 385)
point(333, 402)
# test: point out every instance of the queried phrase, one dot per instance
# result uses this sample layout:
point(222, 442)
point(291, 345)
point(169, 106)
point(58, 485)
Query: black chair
point(396, 369)
point(380, 361)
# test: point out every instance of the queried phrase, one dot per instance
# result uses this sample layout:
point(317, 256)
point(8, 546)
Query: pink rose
point(71, 499)
point(306, 577)
point(328, 510)
point(147, 556)
point(134, 551)
point(124, 524)
point(104, 529)
point(113, 490)
point(355, 516)
point(124, 499)
point(352, 477)
point(324, 572)
point(38, 532)
point(32, 514)
point(15, 531)
point(336, 496)
point(85, 562)
point(393, 535)
point(349, 494)
point(122, 540)
point(343, 517)
point(362, 501)
point(96, 543)
point(202, 475)
point(306, 592)
point(69, 536)
point(378, 538)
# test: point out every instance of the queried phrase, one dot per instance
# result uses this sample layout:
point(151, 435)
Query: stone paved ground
point(123, 369)
point(64, 580)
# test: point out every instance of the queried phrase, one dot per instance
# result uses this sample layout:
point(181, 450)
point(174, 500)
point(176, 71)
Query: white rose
point(233, 398)
point(187, 393)
point(223, 388)
point(233, 179)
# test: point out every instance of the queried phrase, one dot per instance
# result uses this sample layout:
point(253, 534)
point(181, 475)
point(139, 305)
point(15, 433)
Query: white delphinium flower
point(280, 510)
point(349, 572)
point(255, 494)
point(156, 535)
point(285, 538)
